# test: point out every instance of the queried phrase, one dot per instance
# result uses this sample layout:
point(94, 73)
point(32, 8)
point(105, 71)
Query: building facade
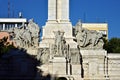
point(99, 27)
point(7, 23)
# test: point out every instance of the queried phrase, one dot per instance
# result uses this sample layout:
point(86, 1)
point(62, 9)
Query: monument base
point(51, 27)
point(94, 64)
point(60, 67)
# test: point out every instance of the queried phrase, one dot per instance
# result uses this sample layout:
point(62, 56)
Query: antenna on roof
point(20, 14)
point(8, 8)
point(13, 11)
point(84, 15)
point(97, 20)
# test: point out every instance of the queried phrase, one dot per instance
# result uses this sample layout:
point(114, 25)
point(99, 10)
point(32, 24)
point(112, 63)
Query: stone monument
point(58, 20)
point(27, 37)
point(68, 53)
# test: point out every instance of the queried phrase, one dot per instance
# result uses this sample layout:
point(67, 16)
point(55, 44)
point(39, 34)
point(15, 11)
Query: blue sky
point(86, 10)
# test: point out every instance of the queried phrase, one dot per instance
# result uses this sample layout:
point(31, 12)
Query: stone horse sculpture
point(22, 37)
point(88, 39)
point(27, 36)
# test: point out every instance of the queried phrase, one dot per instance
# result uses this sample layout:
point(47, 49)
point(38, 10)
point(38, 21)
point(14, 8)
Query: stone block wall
point(94, 64)
point(113, 66)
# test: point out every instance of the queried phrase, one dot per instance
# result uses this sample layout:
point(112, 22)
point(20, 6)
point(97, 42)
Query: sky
point(89, 11)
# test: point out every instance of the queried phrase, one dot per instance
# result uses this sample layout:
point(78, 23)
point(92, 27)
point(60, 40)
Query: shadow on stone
point(17, 64)
point(81, 63)
point(61, 78)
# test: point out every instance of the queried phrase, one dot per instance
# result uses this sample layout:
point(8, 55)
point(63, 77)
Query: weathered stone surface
point(94, 64)
point(59, 65)
point(76, 69)
point(113, 66)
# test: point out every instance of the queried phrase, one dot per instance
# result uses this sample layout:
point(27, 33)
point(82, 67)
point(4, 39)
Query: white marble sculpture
point(87, 39)
point(27, 36)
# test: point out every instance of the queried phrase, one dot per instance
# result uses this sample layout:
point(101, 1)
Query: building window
point(1, 26)
point(8, 26)
point(19, 24)
point(104, 32)
point(12, 25)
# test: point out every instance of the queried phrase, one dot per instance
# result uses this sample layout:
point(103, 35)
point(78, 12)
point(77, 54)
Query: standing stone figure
point(81, 34)
point(34, 30)
point(17, 37)
point(59, 42)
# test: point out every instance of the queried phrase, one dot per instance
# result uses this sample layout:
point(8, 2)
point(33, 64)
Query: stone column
point(3, 26)
point(58, 10)
point(65, 10)
point(51, 10)
point(15, 25)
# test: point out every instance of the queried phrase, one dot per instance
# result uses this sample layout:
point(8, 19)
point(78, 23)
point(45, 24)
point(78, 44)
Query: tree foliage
point(5, 46)
point(113, 45)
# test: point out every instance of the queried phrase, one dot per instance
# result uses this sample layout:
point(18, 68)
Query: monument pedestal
point(84, 64)
point(94, 64)
point(51, 27)
point(62, 68)
point(59, 66)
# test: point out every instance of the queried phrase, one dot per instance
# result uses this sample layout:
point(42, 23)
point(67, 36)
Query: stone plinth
point(76, 69)
point(114, 66)
point(94, 64)
point(59, 66)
